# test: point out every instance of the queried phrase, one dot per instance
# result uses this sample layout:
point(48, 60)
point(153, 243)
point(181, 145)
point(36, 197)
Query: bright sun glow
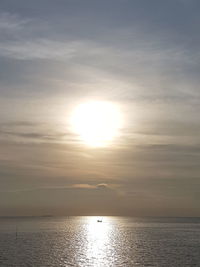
point(96, 122)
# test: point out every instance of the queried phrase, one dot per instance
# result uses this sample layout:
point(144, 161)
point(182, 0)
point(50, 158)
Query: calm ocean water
point(82, 241)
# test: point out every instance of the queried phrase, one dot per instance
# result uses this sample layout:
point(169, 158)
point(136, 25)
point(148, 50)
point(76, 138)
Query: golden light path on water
point(98, 235)
point(94, 244)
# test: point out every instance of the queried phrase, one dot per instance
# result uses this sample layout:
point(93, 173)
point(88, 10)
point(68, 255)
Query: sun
point(96, 122)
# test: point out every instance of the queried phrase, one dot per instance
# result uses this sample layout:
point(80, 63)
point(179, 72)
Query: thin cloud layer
point(143, 56)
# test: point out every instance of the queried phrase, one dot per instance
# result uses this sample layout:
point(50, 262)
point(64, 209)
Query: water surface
point(82, 241)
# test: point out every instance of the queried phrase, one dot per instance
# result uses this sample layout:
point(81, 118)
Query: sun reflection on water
point(98, 240)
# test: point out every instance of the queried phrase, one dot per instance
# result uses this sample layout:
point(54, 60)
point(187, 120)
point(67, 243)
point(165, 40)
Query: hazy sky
point(142, 55)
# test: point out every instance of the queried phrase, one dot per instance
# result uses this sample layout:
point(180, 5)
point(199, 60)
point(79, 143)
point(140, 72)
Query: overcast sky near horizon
point(141, 55)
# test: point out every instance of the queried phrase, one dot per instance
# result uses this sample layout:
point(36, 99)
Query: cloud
point(19, 40)
point(35, 136)
point(38, 49)
point(82, 186)
point(134, 66)
point(11, 22)
point(72, 187)
point(51, 59)
point(102, 186)
point(28, 131)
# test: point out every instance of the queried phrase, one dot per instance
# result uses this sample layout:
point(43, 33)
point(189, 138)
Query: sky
point(141, 55)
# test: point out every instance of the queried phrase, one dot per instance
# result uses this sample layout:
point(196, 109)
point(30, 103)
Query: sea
point(113, 241)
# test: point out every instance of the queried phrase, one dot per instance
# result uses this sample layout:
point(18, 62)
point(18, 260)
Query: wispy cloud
point(37, 132)
point(116, 68)
point(55, 56)
point(11, 22)
point(70, 186)
point(38, 49)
